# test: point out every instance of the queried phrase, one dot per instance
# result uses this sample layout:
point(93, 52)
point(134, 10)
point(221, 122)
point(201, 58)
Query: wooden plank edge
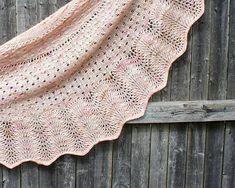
point(188, 111)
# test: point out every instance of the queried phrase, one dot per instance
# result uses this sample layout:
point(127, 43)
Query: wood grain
point(140, 156)
point(103, 165)
point(199, 74)
point(217, 90)
point(65, 172)
point(188, 111)
point(176, 168)
point(121, 175)
point(160, 143)
point(228, 180)
point(85, 170)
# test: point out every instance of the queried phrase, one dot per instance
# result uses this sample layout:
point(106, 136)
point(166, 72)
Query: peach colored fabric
point(75, 78)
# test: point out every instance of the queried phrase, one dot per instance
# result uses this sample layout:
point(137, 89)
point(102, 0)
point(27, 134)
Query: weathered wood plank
point(140, 156)
point(95, 169)
point(177, 156)
point(60, 3)
point(214, 153)
point(198, 91)
point(3, 21)
point(229, 157)
point(103, 164)
point(195, 155)
point(121, 175)
point(47, 176)
point(42, 9)
point(229, 145)
point(54, 5)
point(188, 111)
point(29, 175)
point(159, 144)
point(159, 155)
point(11, 177)
point(217, 90)
point(200, 56)
point(178, 133)
point(26, 15)
point(231, 56)
point(47, 7)
point(231, 51)
point(65, 172)
point(11, 19)
point(85, 170)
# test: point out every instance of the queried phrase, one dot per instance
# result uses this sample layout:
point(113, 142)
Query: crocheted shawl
point(75, 78)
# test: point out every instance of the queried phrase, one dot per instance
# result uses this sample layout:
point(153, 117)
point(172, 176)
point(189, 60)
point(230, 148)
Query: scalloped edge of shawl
point(116, 136)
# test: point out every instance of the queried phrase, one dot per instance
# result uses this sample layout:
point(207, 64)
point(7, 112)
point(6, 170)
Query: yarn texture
point(78, 76)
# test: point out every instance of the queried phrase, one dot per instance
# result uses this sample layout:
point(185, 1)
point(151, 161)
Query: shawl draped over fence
point(75, 78)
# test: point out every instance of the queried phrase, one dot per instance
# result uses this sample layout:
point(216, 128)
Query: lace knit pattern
point(76, 77)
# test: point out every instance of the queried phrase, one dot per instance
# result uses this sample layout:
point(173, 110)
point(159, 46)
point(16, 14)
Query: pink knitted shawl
point(75, 78)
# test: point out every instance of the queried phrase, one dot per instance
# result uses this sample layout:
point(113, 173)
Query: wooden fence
point(167, 155)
